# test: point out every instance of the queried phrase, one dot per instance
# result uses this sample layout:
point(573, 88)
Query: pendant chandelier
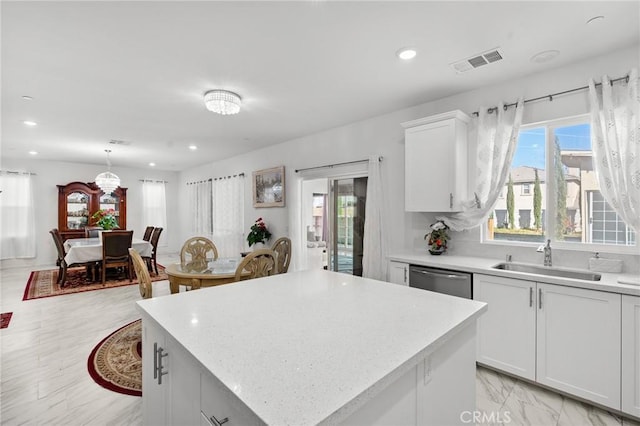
point(107, 181)
point(222, 101)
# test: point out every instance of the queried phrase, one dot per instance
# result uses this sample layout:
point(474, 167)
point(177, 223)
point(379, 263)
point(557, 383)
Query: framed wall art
point(268, 187)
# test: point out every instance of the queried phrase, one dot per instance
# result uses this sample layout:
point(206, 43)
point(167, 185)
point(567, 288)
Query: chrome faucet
point(547, 253)
point(508, 258)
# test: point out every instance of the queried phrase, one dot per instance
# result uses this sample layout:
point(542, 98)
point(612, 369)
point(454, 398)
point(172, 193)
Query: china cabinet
point(78, 201)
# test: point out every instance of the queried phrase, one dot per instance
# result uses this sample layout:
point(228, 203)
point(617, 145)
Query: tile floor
point(44, 378)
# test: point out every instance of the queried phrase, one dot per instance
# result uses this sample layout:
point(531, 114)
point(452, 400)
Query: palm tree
point(510, 203)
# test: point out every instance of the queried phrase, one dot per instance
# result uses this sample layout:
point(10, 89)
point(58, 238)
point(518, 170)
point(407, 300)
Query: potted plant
point(258, 234)
point(437, 237)
point(106, 219)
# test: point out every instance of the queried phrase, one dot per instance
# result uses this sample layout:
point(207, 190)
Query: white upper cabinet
point(436, 162)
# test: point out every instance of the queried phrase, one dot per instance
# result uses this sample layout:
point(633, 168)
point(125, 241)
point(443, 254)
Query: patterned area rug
point(5, 319)
point(116, 362)
point(43, 283)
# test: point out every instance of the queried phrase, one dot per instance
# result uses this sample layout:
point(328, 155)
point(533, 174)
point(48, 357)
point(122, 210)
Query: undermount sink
point(546, 270)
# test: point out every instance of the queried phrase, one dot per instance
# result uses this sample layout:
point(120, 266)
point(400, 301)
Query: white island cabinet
point(306, 348)
point(631, 355)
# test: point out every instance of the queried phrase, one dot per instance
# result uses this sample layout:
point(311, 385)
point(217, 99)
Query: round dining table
point(202, 273)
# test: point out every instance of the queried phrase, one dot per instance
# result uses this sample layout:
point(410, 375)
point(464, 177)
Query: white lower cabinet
point(507, 331)
point(579, 345)
point(220, 407)
point(564, 337)
point(631, 355)
point(398, 272)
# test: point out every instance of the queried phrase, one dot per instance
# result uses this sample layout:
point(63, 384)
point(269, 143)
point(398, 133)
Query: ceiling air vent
point(476, 61)
point(119, 142)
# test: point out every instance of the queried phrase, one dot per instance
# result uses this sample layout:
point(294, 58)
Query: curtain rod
point(550, 96)
point(11, 172)
point(151, 180)
point(199, 181)
point(336, 164)
point(229, 177)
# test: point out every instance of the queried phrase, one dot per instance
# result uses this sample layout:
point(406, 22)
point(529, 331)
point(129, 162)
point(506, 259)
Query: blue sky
point(531, 149)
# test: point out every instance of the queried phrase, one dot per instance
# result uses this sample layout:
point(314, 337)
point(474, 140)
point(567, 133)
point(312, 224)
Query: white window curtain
point(154, 206)
point(497, 138)
point(200, 205)
point(228, 215)
point(374, 258)
point(17, 217)
point(615, 130)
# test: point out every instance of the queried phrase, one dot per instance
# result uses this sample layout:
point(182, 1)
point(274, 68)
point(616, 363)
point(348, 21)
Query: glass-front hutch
point(78, 201)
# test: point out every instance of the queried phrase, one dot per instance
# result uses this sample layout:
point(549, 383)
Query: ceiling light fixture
point(406, 53)
point(33, 152)
point(152, 164)
point(30, 123)
point(546, 56)
point(222, 101)
point(27, 98)
point(107, 181)
point(193, 147)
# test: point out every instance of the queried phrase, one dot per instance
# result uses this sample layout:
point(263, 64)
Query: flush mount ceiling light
point(29, 123)
point(406, 53)
point(193, 147)
point(222, 101)
point(107, 181)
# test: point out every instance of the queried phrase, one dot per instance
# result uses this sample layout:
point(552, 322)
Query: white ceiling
point(136, 71)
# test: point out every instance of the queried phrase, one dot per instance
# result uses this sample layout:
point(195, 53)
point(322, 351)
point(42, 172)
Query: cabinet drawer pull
point(530, 296)
point(539, 298)
point(217, 422)
point(159, 371)
point(155, 360)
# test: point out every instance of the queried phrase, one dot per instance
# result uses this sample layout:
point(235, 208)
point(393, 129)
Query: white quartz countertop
point(313, 346)
point(608, 282)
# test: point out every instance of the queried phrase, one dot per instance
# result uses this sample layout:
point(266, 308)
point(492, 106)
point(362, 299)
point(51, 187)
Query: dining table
point(202, 273)
point(83, 250)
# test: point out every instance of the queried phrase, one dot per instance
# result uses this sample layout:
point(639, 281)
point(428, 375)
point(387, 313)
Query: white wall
point(384, 136)
point(48, 174)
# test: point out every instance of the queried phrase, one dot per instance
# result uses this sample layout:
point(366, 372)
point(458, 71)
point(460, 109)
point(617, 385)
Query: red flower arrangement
point(259, 233)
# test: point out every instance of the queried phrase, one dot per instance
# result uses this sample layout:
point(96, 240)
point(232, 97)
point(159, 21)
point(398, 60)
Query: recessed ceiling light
point(595, 19)
point(27, 98)
point(30, 123)
point(406, 53)
point(193, 147)
point(546, 56)
point(33, 152)
point(152, 164)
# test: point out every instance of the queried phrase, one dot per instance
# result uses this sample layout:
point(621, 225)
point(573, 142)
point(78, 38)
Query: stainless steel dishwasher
point(454, 283)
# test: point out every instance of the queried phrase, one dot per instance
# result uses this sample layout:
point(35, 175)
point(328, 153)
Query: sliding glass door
point(347, 215)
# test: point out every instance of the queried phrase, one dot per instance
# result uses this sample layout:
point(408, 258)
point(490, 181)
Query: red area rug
point(43, 283)
point(4, 319)
point(116, 362)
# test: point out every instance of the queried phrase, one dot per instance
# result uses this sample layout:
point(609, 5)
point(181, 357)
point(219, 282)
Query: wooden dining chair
point(142, 274)
point(257, 264)
point(62, 264)
point(115, 251)
point(282, 248)
point(147, 233)
point(198, 248)
point(92, 231)
point(151, 260)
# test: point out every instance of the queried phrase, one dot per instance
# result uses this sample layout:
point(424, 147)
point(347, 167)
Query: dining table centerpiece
point(106, 218)
point(258, 234)
point(437, 237)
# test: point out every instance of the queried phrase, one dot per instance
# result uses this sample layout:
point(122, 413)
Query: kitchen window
point(552, 192)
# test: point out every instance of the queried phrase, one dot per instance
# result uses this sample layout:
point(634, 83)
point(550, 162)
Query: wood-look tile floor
point(44, 378)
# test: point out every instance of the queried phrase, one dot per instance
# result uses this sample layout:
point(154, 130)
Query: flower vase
point(437, 251)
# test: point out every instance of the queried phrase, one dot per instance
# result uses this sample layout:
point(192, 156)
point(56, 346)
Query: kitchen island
point(310, 347)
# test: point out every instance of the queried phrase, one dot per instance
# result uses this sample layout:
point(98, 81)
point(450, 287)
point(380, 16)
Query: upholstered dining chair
point(198, 248)
point(282, 247)
point(92, 231)
point(147, 233)
point(142, 274)
point(257, 264)
point(115, 251)
point(152, 263)
point(62, 264)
